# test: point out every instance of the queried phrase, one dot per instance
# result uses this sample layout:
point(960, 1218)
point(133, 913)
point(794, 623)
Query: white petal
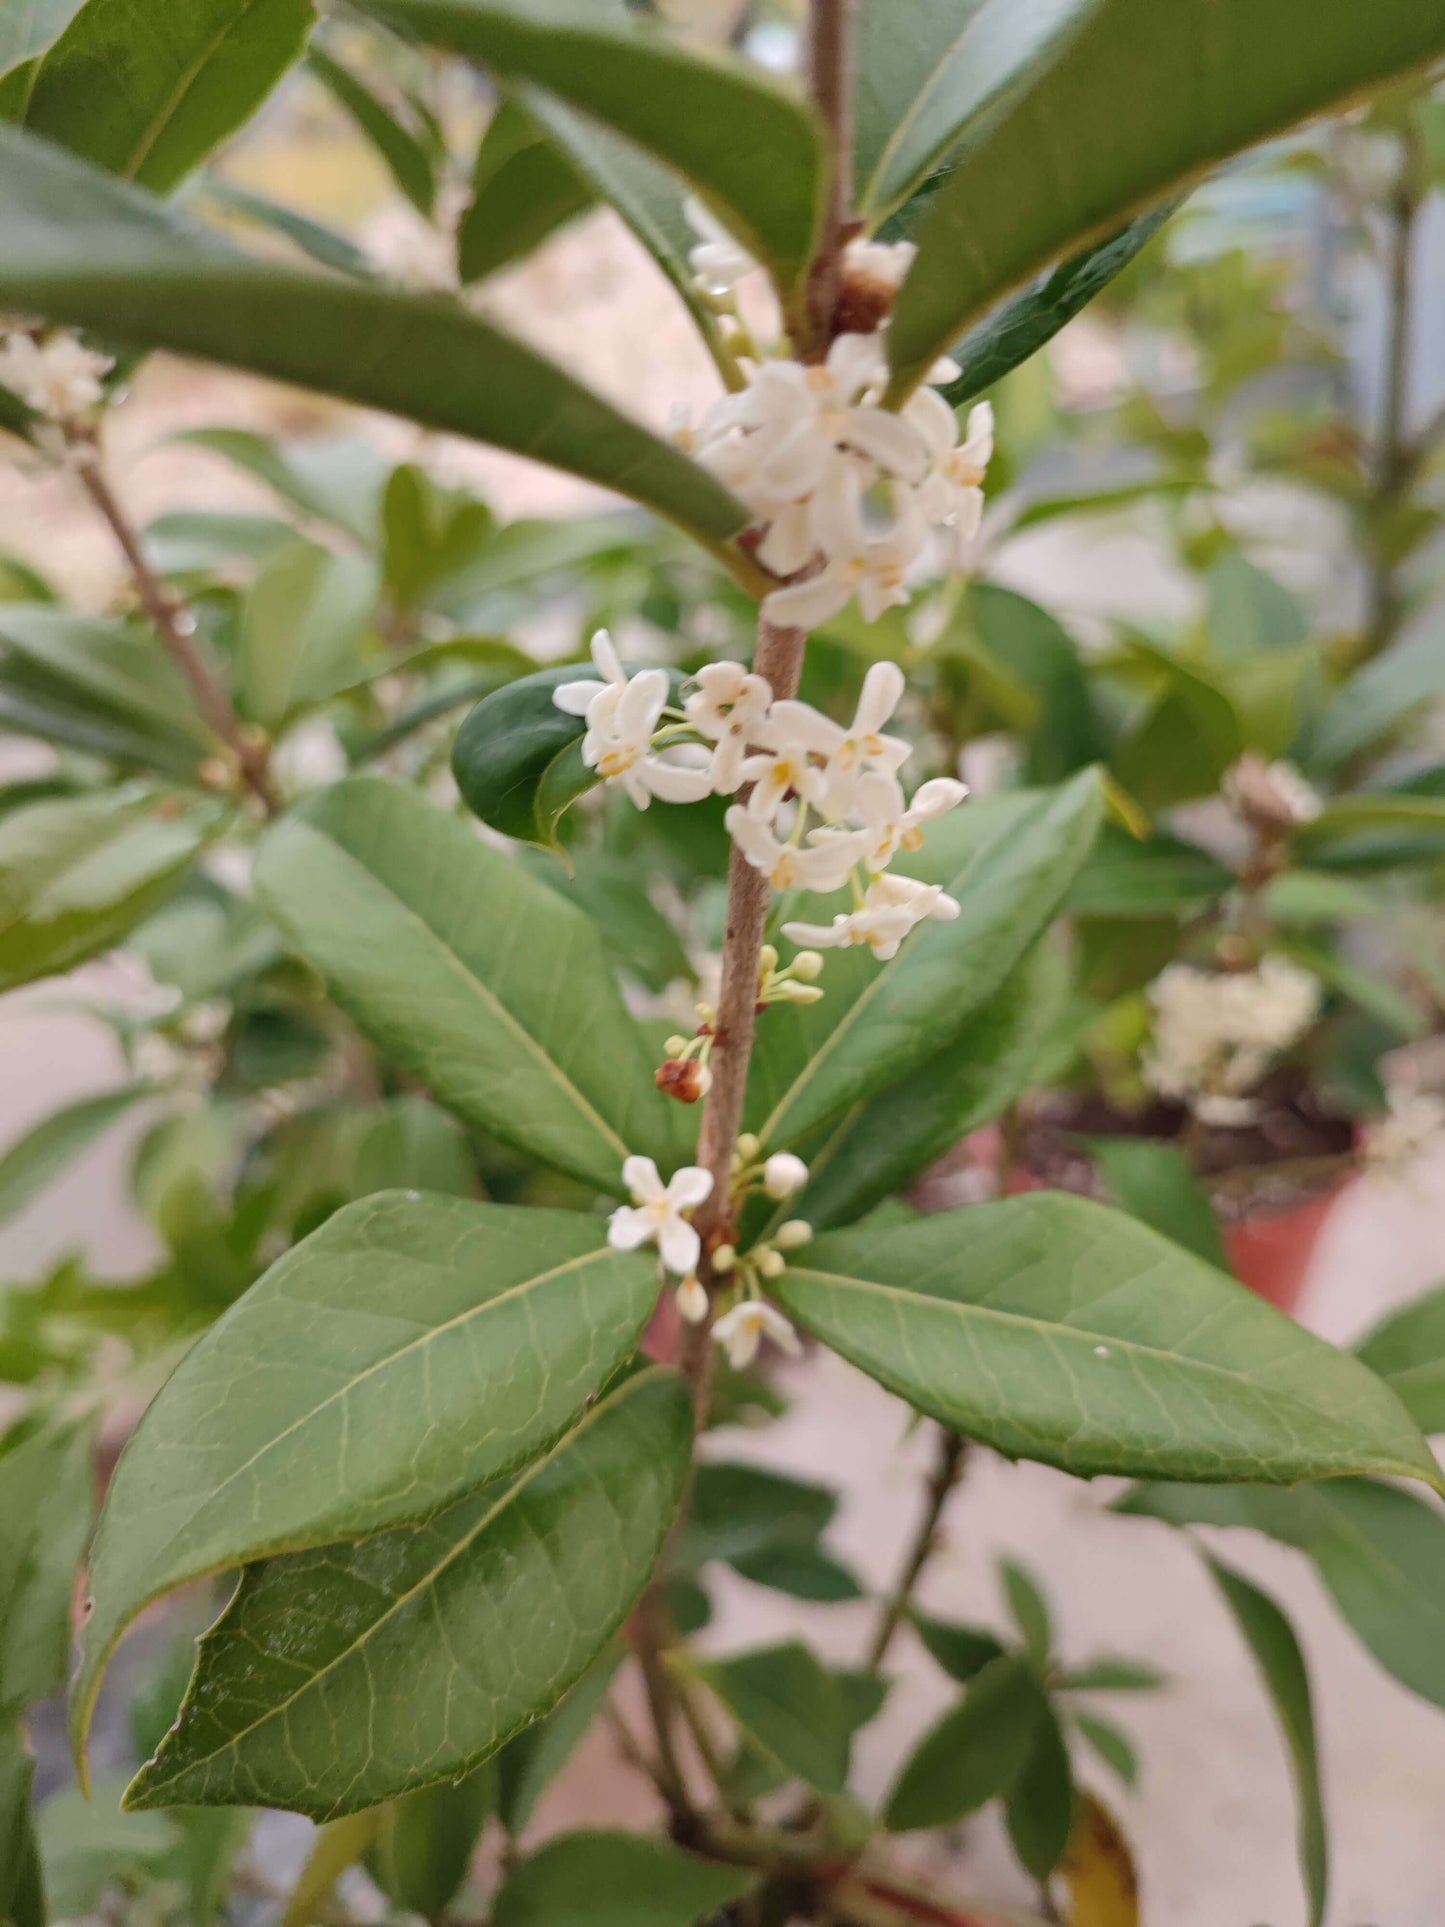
point(753, 838)
point(689, 1185)
point(938, 795)
point(627, 1229)
point(604, 654)
point(641, 1177)
point(574, 698)
point(676, 782)
point(818, 936)
point(788, 544)
point(797, 729)
point(807, 605)
point(641, 705)
point(893, 443)
point(935, 421)
point(881, 694)
point(779, 1330)
point(679, 1245)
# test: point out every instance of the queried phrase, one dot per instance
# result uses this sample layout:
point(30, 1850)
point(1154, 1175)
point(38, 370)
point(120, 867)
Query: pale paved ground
point(1212, 1818)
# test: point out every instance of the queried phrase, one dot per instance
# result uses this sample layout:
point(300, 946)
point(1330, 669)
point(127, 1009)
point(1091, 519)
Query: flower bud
point(748, 1147)
point(769, 1262)
point(807, 966)
point(675, 1046)
point(683, 1078)
point(692, 1299)
point(789, 1236)
point(724, 1258)
point(767, 959)
point(783, 1174)
point(788, 992)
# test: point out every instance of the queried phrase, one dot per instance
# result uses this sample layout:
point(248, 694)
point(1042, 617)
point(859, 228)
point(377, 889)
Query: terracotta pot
point(1272, 1253)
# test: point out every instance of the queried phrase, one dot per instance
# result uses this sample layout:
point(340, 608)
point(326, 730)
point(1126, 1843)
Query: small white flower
point(885, 261)
point(730, 708)
point(1413, 1126)
point(825, 865)
point(692, 1299)
point(849, 750)
point(894, 826)
point(784, 1174)
point(1216, 1033)
point(622, 713)
point(874, 568)
point(891, 908)
point(656, 1214)
point(741, 1331)
point(718, 261)
point(951, 495)
point(582, 697)
point(58, 377)
point(793, 734)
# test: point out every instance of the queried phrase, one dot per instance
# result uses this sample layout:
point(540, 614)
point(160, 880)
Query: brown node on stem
point(865, 302)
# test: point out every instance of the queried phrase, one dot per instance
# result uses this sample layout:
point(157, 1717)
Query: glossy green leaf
point(430, 533)
point(888, 1140)
point(78, 874)
point(22, 1897)
point(1276, 1651)
point(1154, 1182)
point(52, 1146)
point(801, 1571)
point(1395, 810)
point(617, 1880)
point(408, 160)
point(1382, 695)
point(119, 666)
point(999, 343)
point(475, 976)
point(46, 1506)
point(150, 105)
point(929, 70)
point(1054, 1328)
point(1065, 734)
point(523, 189)
point(1007, 208)
point(975, 1752)
point(962, 1651)
point(301, 622)
point(790, 1706)
point(410, 1349)
point(1009, 867)
point(1113, 1747)
point(736, 1510)
point(1028, 1610)
point(88, 1846)
point(81, 248)
point(1249, 610)
point(426, 1842)
point(528, 1580)
point(1186, 737)
point(748, 148)
point(1039, 1806)
point(1161, 876)
point(338, 480)
point(527, 1764)
point(1114, 1676)
point(1379, 1551)
point(1407, 1349)
point(312, 238)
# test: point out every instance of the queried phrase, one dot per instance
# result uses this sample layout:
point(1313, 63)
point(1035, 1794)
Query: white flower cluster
point(798, 766)
point(1413, 1128)
point(847, 494)
point(661, 1214)
point(1216, 1033)
point(58, 377)
point(1272, 796)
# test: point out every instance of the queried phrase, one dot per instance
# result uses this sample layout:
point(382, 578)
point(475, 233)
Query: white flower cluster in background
point(825, 809)
point(847, 494)
point(57, 377)
point(1216, 1033)
point(1413, 1128)
point(1271, 796)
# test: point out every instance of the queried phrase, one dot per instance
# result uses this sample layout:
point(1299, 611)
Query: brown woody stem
point(948, 1468)
point(830, 83)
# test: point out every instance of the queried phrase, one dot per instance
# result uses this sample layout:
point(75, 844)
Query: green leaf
point(790, 1706)
point(1009, 866)
point(1407, 1349)
point(1053, 1328)
point(1003, 340)
point(312, 238)
point(523, 189)
point(928, 71)
point(962, 1651)
point(431, 533)
point(30, 27)
point(1382, 695)
point(737, 1510)
point(1249, 610)
point(1187, 736)
point(1039, 1806)
point(1154, 1182)
point(150, 105)
point(528, 1580)
point(89, 251)
point(1028, 1610)
point(46, 1505)
point(1271, 1639)
point(885, 1142)
point(801, 1571)
point(1113, 1676)
point(408, 160)
point(1160, 876)
point(22, 1897)
point(527, 1764)
point(1379, 1551)
point(617, 1880)
point(748, 149)
point(1065, 735)
point(52, 1146)
point(410, 1349)
point(975, 1752)
point(300, 625)
point(1007, 208)
point(339, 480)
point(88, 1846)
point(1113, 1747)
point(477, 978)
point(425, 1842)
point(76, 875)
point(118, 666)
point(1382, 811)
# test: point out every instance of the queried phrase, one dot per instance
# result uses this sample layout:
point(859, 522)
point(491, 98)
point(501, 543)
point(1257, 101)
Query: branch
point(830, 83)
point(946, 1473)
point(176, 627)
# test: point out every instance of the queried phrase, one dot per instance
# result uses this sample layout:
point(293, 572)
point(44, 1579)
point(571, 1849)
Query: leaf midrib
point(187, 79)
point(1068, 1333)
point(427, 1579)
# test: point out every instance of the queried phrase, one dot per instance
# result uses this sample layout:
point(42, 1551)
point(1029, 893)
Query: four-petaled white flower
point(824, 865)
point(589, 696)
point(58, 377)
point(741, 1331)
point(951, 494)
point(890, 909)
point(792, 736)
point(893, 825)
point(622, 715)
point(872, 567)
point(730, 708)
point(718, 261)
point(657, 1213)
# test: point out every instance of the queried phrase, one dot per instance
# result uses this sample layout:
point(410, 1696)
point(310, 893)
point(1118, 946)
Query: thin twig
point(830, 83)
point(176, 627)
point(946, 1473)
point(650, 1629)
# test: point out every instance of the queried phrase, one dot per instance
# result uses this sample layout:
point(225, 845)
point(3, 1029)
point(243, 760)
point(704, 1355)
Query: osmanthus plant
point(449, 1445)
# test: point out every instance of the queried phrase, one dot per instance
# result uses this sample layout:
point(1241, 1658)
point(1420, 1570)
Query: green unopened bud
point(675, 1046)
point(748, 1147)
point(767, 959)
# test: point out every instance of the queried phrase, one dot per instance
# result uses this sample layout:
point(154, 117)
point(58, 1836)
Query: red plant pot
point(1272, 1253)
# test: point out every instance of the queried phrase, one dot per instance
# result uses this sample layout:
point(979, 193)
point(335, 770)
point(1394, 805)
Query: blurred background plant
point(1233, 467)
